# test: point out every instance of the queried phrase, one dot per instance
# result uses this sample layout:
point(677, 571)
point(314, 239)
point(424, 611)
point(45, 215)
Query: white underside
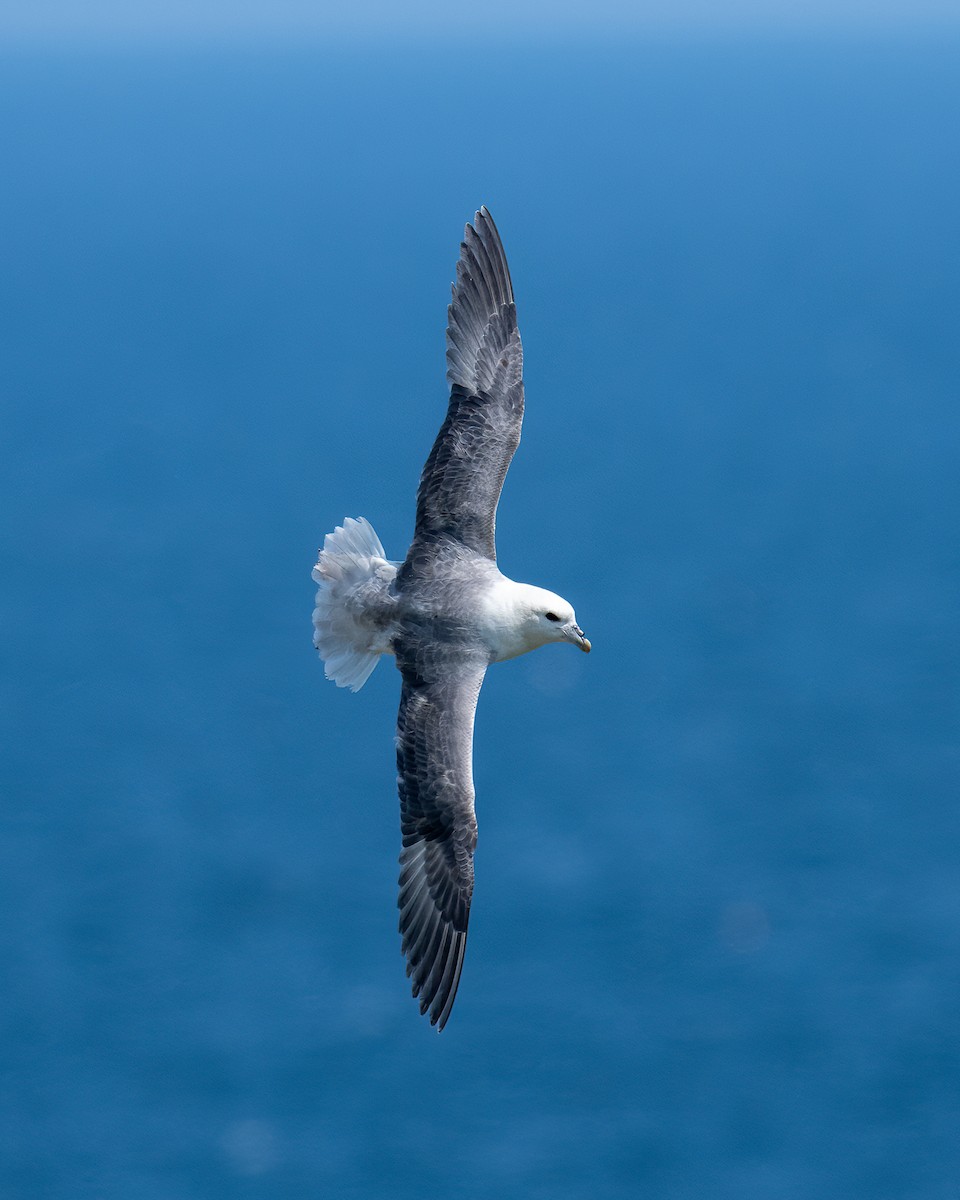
point(353, 612)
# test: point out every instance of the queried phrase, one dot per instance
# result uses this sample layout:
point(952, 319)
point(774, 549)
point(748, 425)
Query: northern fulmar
point(446, 613)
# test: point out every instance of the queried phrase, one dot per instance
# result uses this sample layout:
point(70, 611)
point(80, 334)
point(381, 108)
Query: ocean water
point(715, 944)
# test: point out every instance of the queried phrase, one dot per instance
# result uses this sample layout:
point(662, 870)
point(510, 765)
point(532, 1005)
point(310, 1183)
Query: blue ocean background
point(715, 945)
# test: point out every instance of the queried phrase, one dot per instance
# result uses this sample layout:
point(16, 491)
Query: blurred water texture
point(715, 948)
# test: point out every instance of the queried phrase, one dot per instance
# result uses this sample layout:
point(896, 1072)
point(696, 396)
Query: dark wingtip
point(433, 935)
point(436, 983)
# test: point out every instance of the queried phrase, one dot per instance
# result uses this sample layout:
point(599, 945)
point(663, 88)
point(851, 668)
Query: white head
point(532, 617)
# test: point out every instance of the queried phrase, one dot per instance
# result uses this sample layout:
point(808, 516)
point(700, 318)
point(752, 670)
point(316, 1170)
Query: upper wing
point(435, 781)
point(461, 481)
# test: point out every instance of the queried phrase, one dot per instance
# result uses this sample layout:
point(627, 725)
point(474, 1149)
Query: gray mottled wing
point(435, 781)
point(461, 481)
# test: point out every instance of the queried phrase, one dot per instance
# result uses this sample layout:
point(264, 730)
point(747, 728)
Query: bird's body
point(446, 613)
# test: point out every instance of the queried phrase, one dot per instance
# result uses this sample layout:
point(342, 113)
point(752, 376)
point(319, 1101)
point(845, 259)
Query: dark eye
point(551, 616)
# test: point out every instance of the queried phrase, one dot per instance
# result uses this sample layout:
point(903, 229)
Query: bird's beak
point(575, 634)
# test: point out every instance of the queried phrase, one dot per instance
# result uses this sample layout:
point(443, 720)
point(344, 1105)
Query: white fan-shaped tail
point(351, 616)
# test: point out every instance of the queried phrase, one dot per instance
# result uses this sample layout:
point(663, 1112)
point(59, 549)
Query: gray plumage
point(461, 480)
point(442, 666)
point(446, 613)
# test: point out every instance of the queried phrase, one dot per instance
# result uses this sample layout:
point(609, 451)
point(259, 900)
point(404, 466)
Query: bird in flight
point(446, 613)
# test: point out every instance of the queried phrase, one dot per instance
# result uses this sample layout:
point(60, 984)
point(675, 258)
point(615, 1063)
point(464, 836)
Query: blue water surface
point(715, 945)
